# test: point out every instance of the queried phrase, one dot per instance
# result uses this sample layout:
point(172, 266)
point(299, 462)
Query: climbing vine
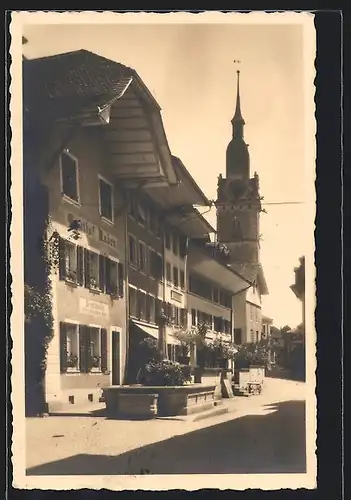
point(38, 299)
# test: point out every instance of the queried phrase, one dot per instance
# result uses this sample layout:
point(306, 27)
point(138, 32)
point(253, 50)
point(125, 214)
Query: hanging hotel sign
point(94, 232)
point(93, 308)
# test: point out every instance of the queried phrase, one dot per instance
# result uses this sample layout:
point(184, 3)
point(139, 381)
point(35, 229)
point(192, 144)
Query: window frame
point(135, 291)
point(175, 273)
point(73, 246)
point(91, 287)
point(103, 217)
point(98, 369)
point(65, 196)
point(133, 264)
point(146, 260)
point(75, 324)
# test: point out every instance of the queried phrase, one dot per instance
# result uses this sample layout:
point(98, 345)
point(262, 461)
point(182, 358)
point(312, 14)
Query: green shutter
point(80, 266)
point(63, 347)
point(62, 258)
point(104, 350)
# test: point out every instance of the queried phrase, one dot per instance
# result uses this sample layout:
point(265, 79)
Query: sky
point(190, 71)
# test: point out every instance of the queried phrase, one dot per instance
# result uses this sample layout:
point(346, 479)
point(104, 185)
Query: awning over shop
point(145, 329)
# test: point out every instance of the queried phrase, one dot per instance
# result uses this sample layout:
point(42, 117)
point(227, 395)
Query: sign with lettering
point(108, 239)
point(93, 307)
point(94, 232)
point(176, 296)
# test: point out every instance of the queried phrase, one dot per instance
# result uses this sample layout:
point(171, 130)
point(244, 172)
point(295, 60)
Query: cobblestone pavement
point(95, 445)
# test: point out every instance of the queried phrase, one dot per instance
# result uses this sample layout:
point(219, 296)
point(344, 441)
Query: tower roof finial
point(237, 115)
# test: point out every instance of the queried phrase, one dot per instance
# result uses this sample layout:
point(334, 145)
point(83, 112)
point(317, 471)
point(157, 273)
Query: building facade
point(238, 216)
point(130, 244)
point(86, 147)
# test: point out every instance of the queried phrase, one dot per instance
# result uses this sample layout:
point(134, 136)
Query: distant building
point(266, 327)
point(238, 215)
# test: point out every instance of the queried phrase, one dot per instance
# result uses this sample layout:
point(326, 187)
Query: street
point(260, 434)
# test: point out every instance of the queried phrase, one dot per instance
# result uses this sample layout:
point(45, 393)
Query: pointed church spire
point(238, 121)
point(237, 155)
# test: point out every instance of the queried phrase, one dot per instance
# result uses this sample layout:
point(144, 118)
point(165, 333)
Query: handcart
point(248, 381)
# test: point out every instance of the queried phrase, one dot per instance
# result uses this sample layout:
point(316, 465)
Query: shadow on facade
point(254, 444)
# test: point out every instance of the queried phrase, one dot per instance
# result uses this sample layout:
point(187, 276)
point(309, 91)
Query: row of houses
point(125, 214)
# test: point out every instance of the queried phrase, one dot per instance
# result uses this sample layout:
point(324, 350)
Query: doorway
point(116, 357)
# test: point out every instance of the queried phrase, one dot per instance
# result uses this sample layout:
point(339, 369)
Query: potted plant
point(72, 361)
point(71, 275)
point(93, 284)
point(96, 361)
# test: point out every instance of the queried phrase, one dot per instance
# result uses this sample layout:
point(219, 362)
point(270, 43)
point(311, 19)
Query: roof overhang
point(191, 222)
point(136, 142)
point(200, 262)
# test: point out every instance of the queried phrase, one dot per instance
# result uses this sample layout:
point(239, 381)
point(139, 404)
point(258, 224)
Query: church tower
point(238, 199)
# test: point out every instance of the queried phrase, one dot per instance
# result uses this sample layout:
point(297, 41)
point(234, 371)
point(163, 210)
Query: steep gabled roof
point(79, 86)
point(71, 83)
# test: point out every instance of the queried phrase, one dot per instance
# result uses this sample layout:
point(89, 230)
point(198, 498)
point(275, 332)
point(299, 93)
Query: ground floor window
point(83, 348)
point(72, 347)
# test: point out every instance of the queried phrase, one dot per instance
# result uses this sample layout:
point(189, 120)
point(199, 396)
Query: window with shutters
point(106, 199)
point(94, 348)
point(69, 176)
point(142, 257)
point(70, 261)
point(133, 307)
point(141, 305)
point(142, 213)
point(132, 251)
point(156, 265)
point(217, 324)
point(120, 280)
point(182, 279)
point(175, 276)
point(177, 316)
point(151, 309)
point(182, 246)
point(168, 273)
point(184, 318)
point(72, 342)
point(111, 277)
point(92, 270)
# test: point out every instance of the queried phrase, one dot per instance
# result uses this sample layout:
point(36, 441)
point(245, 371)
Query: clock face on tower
point(235, 189)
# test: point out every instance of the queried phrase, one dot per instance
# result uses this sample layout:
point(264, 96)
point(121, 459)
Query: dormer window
point(69, 176)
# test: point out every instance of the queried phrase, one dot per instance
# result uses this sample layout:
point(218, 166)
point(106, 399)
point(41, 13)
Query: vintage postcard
point(162, 250)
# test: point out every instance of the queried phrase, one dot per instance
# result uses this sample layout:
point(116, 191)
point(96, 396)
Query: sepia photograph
point(162, 250)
